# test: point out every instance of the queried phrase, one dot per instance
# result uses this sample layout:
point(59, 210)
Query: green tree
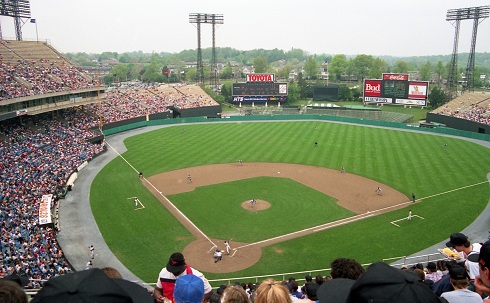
point(226, 91)
point(227, 72)
point(438, 97)
point(361, 65)
point(311, 68)
point(378, 67)
point(284, 71)
point(294, 92)
point(440, 71)
point(303, 86)
point(120, 72)
point(401, 67)
point(425, 71)
point(260, 64)
point(337, 66)
point(344, 93)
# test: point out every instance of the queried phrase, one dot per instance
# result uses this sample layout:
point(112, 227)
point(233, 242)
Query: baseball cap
point(335, 291)
point(21, 280)
point(484, 256)
point(458, 272)
point(457, 239)
point(189, 289)
point(91, 285)
point(383, 283)
point(176, 263)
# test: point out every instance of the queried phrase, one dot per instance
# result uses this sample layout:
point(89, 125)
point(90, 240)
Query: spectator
point(482, 282)
point(383, 283)
point(335, 291)
point(346, 268)
point(319, 279)
point(294, 291)
point(460, 243)
point(189, 289)
point(459, 280)
point(432, 273)
point(444, 284)
point(311, 290)
point(91, 286)
point(11, 292)
point(235, 294)
point(271, 291)
point(176, 268)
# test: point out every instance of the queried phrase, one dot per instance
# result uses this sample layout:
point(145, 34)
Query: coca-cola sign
point(395, 77)
point(372, 88)
point(260, 78)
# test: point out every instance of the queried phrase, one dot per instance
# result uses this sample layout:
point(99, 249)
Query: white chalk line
point(166, 199)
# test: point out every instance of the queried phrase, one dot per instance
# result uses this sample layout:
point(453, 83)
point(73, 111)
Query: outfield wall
point(459, 123)
point(447, 131)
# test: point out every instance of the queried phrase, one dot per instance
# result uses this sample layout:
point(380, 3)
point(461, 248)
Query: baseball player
point(409, 218)
point(217, 256)
point(378, 191)
point(189, 179)
point(227, 247)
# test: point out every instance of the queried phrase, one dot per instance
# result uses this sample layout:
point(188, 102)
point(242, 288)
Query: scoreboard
point(259, 88)
point(396, 89)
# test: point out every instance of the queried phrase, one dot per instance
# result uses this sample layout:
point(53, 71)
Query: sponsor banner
point(377, 99)
point(259, 98)
point(395, 77)
point(372, 88)
point(21, 112)
point(420, 102)
point(417, 90)
point(85, 163)
point(260, 78)
point(45, 209)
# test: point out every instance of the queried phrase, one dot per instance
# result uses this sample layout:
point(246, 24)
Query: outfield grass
point(409, 162)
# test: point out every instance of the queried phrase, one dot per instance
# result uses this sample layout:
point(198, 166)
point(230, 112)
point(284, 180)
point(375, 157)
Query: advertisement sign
point(372, 88)
point(377, 99)
point(417, 90)
point(420, 102)
point(395, 77)
point(260, 78)
point(45, 209)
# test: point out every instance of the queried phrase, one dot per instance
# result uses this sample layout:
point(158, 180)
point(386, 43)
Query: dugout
point(205, 111)
point(326, 93)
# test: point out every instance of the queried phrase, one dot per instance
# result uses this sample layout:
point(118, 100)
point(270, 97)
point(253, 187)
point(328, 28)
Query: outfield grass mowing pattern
point(409, 162)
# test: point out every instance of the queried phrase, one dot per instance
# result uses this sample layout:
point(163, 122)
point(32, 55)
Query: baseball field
point(307, 213)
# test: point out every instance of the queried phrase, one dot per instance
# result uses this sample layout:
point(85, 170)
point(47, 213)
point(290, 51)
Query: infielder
point(409, 218)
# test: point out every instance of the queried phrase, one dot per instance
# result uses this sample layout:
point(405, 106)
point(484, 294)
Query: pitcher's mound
point(257, 206)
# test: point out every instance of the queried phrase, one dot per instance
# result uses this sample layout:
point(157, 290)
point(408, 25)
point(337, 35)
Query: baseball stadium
point(143, 173)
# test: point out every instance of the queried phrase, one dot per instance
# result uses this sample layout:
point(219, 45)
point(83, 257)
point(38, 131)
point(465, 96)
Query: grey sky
point(351, 27)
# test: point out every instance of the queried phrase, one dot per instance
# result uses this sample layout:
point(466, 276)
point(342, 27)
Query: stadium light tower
point(212, 19)
point(17, 9)
point(456, 15)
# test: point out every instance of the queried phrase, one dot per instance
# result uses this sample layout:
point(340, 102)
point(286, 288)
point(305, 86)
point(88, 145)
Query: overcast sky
point(350, 27)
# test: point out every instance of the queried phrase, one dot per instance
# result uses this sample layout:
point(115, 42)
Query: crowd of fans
point(37, 159)
point(35, 78)
point(475, 113)
point(126, 102)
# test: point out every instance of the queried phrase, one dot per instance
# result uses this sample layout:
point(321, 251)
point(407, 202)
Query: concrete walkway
point(79, 229)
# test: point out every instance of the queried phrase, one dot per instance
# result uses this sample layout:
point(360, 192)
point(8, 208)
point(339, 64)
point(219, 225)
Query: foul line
point(166, 199)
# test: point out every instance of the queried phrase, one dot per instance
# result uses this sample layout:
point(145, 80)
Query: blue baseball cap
point(189, 289)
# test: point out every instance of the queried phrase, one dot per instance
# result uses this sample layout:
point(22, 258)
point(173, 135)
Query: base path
point(353, 192)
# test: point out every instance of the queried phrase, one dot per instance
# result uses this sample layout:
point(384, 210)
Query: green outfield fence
point(108, 130)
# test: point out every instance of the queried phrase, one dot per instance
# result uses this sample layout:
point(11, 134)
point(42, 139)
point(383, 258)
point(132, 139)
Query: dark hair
point(308, 278)
point(346, 268)
point(11, 292)
point(319, 279)
point(294, 286)
point(215, 298)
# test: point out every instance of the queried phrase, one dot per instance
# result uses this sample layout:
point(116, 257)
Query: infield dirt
point(352, 192)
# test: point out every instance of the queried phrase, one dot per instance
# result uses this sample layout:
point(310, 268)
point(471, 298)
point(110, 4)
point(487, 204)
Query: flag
point(325, 63)
point(33, 20)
